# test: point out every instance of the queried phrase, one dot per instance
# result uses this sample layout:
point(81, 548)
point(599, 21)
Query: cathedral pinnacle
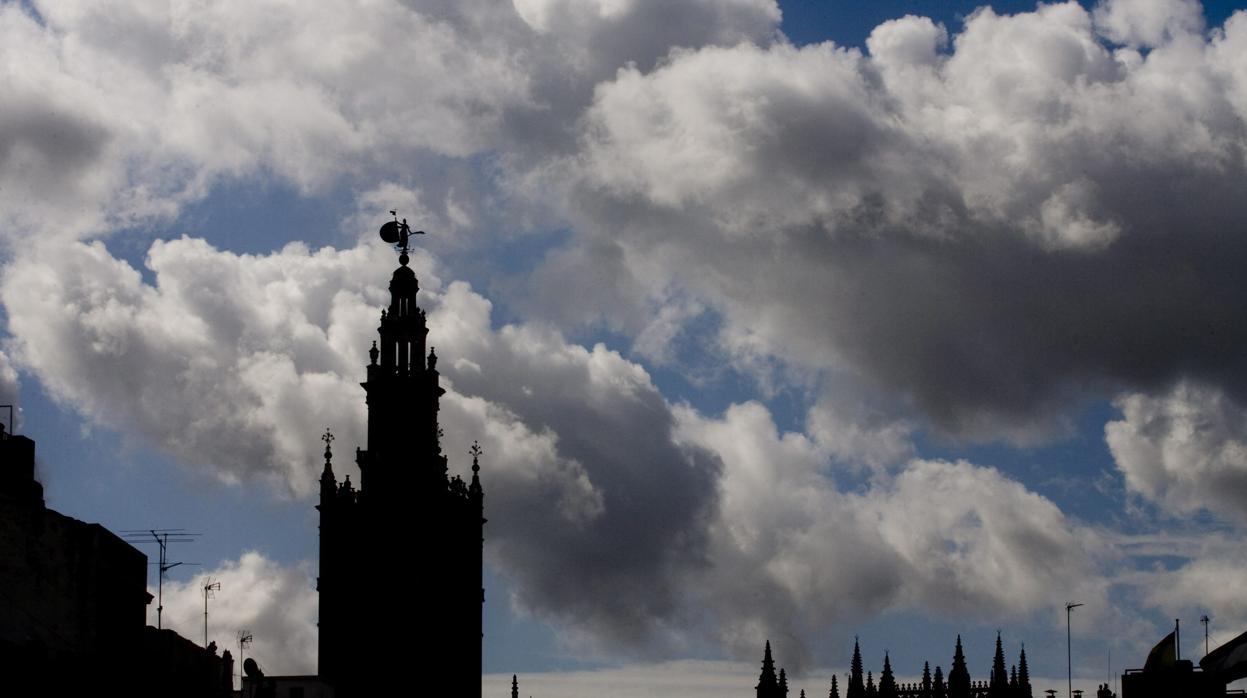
point(328, 439)
point(475, 487)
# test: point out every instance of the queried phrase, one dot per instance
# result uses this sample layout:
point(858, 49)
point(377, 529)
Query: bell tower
point(409, 526)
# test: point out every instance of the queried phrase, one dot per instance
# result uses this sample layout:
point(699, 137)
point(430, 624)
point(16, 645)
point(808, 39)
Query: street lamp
point(1069, 654)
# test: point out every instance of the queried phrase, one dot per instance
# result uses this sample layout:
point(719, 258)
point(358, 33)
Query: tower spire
point(475, 487)
point(327, 473)
point(999, 686)
point(958, 675)
point(1024, 676)
point(855, 689)
point(768, 684)
point(887, 682)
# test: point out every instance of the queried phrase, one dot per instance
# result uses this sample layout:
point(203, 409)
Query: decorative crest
point(397, 233)
point(476, 454)
point(328, 439)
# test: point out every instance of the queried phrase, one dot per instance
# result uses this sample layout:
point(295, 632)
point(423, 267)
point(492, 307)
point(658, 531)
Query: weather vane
point(397, 233)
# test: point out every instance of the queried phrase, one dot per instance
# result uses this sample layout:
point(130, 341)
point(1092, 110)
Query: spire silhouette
point(926, 680)
point(1024, 677)
point(887, 683)
point(783, 683)
point(958, 675)
point(938, 689)
point(327, 481)
point(835, 690)
point(856, 688)
point(768, 684)
point(999, 686)
point(515, 687)
point(870, 686)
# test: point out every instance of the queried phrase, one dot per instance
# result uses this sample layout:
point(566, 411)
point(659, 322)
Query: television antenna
point(244, 641)
point(1205, 619)
point(209, 588)
point(1069, 657)
point(163, 537)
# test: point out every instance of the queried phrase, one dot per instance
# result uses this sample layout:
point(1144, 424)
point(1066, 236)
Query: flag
point(1229, 661)
point(1164, 654)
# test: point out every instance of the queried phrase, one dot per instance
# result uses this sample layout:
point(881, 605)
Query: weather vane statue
point(397, 233)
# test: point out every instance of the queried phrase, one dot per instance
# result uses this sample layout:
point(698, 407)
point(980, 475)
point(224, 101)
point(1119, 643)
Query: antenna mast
point(209, 587)
point(163, 537)
point(1204, 619)
point(244, 641)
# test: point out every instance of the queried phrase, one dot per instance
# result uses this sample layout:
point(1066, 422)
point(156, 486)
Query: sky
point(802, 321)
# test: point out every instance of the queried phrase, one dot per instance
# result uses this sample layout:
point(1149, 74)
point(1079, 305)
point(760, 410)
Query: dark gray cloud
point(989, 235)
point(637, 525)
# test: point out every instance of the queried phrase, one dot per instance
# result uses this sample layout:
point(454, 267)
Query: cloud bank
point(965, 231)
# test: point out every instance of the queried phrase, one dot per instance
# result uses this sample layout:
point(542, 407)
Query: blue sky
point(897, 320)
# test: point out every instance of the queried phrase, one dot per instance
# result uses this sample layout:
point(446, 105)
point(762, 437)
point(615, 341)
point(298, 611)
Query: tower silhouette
point(407, 508)
point(768, 684)
point(856, 688)
point(999, 686)
point(959, 675)
point(887, 683)
point(1024, 676)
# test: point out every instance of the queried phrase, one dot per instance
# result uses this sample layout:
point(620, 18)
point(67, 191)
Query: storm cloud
point(989, 227)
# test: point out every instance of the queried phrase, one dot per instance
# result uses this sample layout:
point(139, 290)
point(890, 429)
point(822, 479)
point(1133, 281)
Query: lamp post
point(1069, 653)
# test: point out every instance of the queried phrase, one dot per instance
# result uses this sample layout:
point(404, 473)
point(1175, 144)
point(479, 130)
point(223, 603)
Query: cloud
point(794, 554)
point(637, 525)
point(1205, 585)
point(10, 390)
point(235, 363)
point(973, 229)
point(276, 603)
point(1148, 23)
point(986, 235)
point(231, 363)
point(971, 222)
point(1185, 448)
point(117, 116)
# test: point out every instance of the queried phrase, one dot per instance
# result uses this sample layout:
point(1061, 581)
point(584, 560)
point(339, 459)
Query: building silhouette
point(73, 604)
point(1001, 684)
point(401, 552)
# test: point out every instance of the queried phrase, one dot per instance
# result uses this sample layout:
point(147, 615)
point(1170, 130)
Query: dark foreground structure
point(407, 508)
point(73, 604)
point(1002, 683)
point(1164, 675)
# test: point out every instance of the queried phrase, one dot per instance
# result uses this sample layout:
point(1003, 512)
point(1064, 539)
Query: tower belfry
point(406, 507)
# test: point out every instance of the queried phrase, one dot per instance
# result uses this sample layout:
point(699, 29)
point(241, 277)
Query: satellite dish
point(389, 232)
point(251, 669)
